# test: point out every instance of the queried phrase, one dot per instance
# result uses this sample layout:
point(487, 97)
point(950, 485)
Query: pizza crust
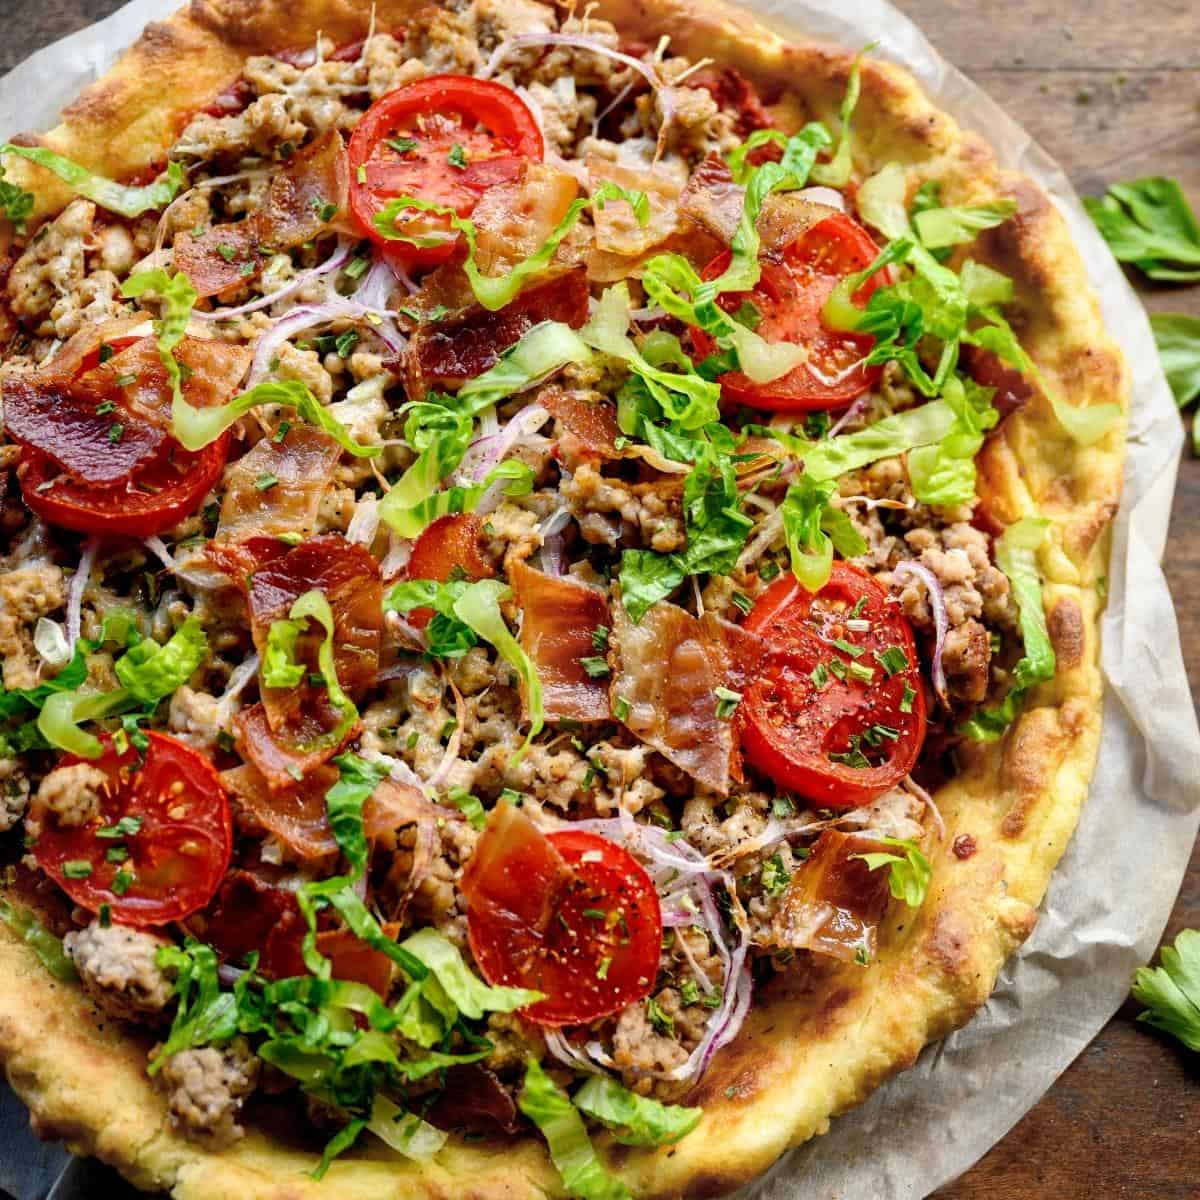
point(814, 1046)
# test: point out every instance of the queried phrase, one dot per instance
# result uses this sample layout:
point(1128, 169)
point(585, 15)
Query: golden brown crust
point(817, 1044)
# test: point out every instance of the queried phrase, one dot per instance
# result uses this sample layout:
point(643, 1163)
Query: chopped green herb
point(116, 432)
point(345, 342)
point(857, 610)
point(470, 806)
point(861, 672)
point(266, 481)
point(621, 708)
point(837, 667)
point(402, 145)
point(600, 638)
point(742, 602)
point(660, 1020)
point(775, 876)
point(116, 854)
point(689, 993)
point(768, 570)
point(106, 352)
point(594, 914)
point(596, 666)
point(457, 157)
point(893, 660)
point(226, 251)
point(819, 676)
point(125, 827)
point(848, 647)
point(121, 882)
point(77, 868)
point(602, 968)
point(358, 266)
point(281, 432)
point(906, 701)
point(727, 702)
point(105, 915)
point(782, 806)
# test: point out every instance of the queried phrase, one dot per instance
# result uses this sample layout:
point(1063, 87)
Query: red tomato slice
point(158, 495)
point(179, 849)
point(789, 296)
point(570, 914)
point(489, 123)
point(837, 739)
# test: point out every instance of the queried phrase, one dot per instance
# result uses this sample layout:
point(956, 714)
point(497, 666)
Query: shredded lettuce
point(469, 994)
point(1086, 425)
point(178, 299)
point(15, 202)
point(16, 701)
point(279, 666)
point(115, 197)
point(648, 577)
point(944, 472)
point(197, 427)
point(150, 672)
point(893, 435)
point(813, 528)
point(635, 1120)
point(479, 609)
point(64, 712)
point(205, 1015)
point(549, 1108)
point(495, 291)
point(314, 605)
point(908, 873)
point(344, 803)
point(1016, 556)
point(985, 288)
point(445, 635)
point(405, 1132)
point(836, 172)
point(941, 227)
point(439, 429)
point(49, 949)
point(684, 397)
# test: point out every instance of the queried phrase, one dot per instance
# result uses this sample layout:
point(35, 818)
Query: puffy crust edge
point(818, 1046)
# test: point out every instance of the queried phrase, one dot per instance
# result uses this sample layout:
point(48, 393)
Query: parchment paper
point(1097, 924)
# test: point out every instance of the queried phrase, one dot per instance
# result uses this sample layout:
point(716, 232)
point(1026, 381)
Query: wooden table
point(1112, 90)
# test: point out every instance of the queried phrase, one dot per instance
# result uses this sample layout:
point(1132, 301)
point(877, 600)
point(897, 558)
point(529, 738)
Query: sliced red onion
point(229, 975)
point(566, 1054)
point(158, 548)
point(397, 556)
point(771, 529)
point(335, 260)
point(364, 525)
point(552, 552)
point(911, 569)
point(239, 679)
point(376, 287)
point(678, 868)
point(485, 452)
point(849, 415)
point(823, 195)
point(79, 582)
point(438, 779)
point(309, 315)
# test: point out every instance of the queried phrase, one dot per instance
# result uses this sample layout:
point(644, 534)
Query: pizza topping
point(299, 205)
point(118, 967)
point(637, 708)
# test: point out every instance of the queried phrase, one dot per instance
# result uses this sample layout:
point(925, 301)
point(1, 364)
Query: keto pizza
point(550, 565)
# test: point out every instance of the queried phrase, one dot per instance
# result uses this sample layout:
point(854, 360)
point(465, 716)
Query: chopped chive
point(77, 868)
point(596, 666)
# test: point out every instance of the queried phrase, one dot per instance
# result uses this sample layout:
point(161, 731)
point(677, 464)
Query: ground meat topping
point(118, 969)
point(72, 795)
point(206, 1089)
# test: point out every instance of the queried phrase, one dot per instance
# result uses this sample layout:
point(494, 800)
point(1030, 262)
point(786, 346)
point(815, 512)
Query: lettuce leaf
point(279, 666)
point(344, 803)
point(445, 635)
point(571, 1151)
point(49, 949)
point(836, 172)
point(941, 227)
point(1148, 222)
point(813, 529)
point(1171, 992)
point(1016, 556)
point(648, 577)
point(150, 672)
point(635, 1120)
point(405, 1132)
point(944, 472)
point(15, 701)
point(908, 873)
point(115, 197)
point(205, 1015)
point(63, 713)
point(495, 291)
point(479, 609)
point(893, 435)
point(469, 994)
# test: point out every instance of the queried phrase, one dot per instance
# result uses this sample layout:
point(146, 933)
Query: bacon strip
point(834, 902)
point(108, 422)
point(590, 424)
point(669, 667)
point(296, 815)
point(559, 617)
point(303, 464)
point(447, 353)
point(300, 203)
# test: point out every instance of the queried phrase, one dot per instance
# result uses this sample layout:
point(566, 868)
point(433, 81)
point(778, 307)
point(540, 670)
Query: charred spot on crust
point(1067, 633)
point(964, 846)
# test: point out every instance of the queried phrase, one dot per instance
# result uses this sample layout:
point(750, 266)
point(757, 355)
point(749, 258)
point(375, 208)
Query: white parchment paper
point(1097, 923)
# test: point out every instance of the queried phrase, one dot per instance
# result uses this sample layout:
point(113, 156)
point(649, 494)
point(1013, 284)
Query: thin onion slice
point(910, 569)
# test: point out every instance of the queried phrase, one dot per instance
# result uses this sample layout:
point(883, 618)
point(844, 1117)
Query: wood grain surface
point(1112, 90)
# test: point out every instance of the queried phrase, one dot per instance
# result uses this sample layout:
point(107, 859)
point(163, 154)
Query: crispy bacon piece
point(734, 93)
point(514, 217)
point(617, 228)
point(559, 617)
point(299, 205)
point(669, 667)
point(448, 544)
point(592, 425)
point(296, 814)
point(302, 463)
point(473, 1100)
point(250, 915)
point(102, 425)
point(834, 902)
point(1013, 390)
point(449, 352)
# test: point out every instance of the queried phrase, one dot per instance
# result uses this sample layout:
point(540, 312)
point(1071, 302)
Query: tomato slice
point(173, 859)
point(405, 145)
point(837, 712)
point(158, 495)
point(789, 297)
point(570, 914)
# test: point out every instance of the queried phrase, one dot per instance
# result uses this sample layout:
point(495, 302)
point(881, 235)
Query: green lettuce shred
point(635, 1120)
point(49, 949)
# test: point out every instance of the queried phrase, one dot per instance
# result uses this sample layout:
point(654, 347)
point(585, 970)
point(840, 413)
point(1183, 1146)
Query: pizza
point(551, 574)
